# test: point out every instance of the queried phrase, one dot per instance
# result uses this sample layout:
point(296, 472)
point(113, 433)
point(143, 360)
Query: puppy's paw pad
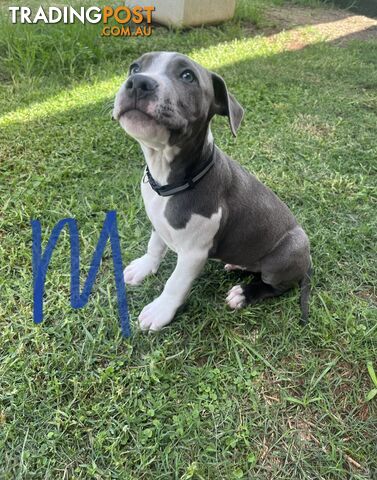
point(236, 297)
point(137, 270)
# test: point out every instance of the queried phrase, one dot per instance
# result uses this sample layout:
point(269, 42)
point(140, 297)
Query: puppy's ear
point(226, 104)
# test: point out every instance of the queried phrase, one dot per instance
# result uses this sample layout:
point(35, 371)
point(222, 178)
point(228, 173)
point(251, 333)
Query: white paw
point(140, 268)
point(229, 267)
point(236, 297)
point(157, 314)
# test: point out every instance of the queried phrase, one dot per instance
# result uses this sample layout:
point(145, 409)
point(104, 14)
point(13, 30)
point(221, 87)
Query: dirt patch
point(368, 294)
point(332, 25)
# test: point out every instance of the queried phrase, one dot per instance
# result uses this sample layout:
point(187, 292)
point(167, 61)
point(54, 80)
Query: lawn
point(217, 394)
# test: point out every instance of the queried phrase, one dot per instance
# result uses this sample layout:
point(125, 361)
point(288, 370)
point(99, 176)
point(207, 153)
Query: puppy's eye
point(188, 76)
point(134, 69)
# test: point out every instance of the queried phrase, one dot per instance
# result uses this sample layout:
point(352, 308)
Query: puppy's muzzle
point(140, 86)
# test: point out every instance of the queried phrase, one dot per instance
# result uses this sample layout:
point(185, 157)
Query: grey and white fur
point(166, 104)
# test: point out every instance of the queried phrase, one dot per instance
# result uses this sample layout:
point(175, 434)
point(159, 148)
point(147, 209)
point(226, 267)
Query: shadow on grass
point(361, 7)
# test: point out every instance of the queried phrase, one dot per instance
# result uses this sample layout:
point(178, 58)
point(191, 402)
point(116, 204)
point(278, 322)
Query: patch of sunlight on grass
point(73, 98)
point(227, 53)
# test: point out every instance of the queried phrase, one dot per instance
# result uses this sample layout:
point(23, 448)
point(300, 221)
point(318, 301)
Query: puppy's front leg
point(140, 268)
point(162, 310)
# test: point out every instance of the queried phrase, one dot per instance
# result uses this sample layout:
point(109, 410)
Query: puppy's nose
point(141, 85)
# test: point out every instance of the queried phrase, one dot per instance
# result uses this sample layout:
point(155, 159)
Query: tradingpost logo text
point(133, 21)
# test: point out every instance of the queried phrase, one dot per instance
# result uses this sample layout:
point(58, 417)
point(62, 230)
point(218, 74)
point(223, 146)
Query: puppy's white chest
point(198, 233)
point(155, 207)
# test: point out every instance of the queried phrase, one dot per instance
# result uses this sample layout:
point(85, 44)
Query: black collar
point(188, 183)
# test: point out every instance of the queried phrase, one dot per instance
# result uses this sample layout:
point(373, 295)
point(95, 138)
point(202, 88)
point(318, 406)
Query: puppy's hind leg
point(287, 265)
point(230, 267)
point(253, 292)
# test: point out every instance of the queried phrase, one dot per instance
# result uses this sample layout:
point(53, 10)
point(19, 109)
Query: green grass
point(216, 394)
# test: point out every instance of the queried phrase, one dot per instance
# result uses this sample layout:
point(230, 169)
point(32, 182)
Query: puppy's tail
point(305, 288)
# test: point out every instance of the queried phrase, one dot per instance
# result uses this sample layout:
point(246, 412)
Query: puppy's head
point(168, 98)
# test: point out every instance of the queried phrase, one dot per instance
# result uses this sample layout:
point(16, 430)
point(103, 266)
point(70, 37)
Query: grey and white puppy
point(166, 104)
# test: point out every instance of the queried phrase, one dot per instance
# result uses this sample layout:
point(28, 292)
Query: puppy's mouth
point(135, 112)
point(143, 115)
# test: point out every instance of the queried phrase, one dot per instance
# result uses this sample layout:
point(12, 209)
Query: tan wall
point(189, 12)
point(199, 12)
